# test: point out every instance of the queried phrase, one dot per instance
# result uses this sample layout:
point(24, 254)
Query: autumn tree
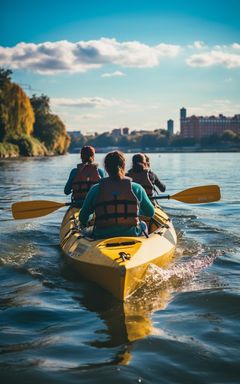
point(16, 113)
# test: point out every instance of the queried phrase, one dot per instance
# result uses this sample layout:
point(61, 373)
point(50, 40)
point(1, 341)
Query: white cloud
point(64, 56)
point(214, 57)
point(236, 46)
point(113, 74)
point(90, 116)
point(198, 45)
point(85, 102)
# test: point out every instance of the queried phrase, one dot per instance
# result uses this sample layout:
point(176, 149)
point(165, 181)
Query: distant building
point(116, 132)
point(170, 127)
point(74, 133)
point(200, 126)
point(125, 131)
point(183, 113)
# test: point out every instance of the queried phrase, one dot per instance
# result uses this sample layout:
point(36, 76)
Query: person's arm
point(88, 205)
point(146, 206)
point(155, 180)
point(101, 172)
point(68, 186)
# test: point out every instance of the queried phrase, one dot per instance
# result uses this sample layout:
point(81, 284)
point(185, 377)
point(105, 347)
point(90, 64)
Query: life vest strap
point(114, 202)
point(115, 215)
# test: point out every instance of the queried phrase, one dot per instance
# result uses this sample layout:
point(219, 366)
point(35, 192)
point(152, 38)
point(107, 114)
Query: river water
point(182, 326)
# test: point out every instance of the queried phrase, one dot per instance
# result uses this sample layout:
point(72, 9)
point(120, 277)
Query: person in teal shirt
point(117, 202)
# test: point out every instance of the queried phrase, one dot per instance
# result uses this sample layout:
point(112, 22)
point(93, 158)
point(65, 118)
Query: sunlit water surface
point(182, 326)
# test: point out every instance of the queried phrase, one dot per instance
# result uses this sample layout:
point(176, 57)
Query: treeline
point(158, 138)
point(27, 126)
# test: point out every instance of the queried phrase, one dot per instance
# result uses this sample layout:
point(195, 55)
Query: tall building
point(125, 131)
point(183, 113)
point(170, 127)
point(200, 126)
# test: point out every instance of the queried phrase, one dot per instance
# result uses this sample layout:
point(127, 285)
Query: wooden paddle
point(37, 208)
point(195, 195)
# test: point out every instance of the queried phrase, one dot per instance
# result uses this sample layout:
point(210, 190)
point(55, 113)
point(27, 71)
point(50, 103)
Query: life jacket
point(142, 178)
point(116, 203)
point(87, 175)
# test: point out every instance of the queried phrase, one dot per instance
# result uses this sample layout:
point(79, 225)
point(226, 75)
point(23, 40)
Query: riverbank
point(162, 150)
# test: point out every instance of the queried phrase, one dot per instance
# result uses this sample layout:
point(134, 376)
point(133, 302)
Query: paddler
point(82, 178)
point(117, 202)
point(141, 173)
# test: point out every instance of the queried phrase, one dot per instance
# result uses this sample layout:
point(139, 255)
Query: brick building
point(200, 126)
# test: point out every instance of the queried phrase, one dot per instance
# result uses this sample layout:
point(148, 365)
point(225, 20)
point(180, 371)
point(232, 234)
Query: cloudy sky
point(107, 64)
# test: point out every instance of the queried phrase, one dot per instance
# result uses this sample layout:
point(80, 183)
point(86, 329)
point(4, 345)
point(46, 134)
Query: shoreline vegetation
point(27, 126)
point(156, 141)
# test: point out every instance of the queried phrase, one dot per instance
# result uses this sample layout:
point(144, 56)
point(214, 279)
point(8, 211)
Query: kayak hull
point(118, 264)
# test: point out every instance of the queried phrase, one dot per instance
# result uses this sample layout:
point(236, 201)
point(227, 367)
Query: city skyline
point(125, 65)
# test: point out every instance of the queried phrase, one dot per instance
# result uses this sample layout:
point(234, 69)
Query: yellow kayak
point(118, 264)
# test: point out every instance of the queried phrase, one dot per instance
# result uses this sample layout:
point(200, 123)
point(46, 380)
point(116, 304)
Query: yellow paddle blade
point(35, 208)
point(198, 195)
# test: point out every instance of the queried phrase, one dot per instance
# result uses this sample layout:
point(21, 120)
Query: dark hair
point(139, 162)
point(147, 160)
point(87, 154)
point(115, 164)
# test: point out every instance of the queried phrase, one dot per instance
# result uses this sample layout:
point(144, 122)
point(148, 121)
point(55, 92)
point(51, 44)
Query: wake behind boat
point(118, 264)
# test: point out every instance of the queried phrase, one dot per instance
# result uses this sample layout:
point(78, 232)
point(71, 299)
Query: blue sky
point(107, 64)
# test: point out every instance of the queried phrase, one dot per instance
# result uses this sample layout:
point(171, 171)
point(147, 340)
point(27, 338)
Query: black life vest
point(143, 179)
point(116, 204)
point(87, 175)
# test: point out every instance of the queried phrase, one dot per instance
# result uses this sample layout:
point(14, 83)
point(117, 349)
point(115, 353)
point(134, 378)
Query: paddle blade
point(198, 195)
point(35, 208)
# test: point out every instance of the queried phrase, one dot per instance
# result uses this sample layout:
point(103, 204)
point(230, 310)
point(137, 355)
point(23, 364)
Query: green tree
point(40, 104)
point(103, 140)
point(228, 135)
point(77, 141)
point(5, 76)
point(48, 127)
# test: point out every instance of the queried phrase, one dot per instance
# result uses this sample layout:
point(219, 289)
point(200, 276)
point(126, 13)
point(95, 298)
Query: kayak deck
point(118, 264)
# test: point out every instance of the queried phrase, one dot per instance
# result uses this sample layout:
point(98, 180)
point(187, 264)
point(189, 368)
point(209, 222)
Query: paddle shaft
point(38, 208)
point(160, 197)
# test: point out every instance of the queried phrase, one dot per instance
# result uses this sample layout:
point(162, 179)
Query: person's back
point(82, 178)
point(153, 177)
point(116, 202)
point(87, 175)
point(139, 173)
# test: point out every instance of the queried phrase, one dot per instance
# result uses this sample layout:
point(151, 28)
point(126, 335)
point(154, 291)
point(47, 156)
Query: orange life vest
point(116, 204)
point(143, 179)
point(87, 175)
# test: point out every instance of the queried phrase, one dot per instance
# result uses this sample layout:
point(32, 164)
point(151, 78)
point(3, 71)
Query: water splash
point(175, 277)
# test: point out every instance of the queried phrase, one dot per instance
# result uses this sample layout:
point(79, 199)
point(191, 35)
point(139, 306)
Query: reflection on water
point(181, 325)
point(124, 322)
point(132, 320)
